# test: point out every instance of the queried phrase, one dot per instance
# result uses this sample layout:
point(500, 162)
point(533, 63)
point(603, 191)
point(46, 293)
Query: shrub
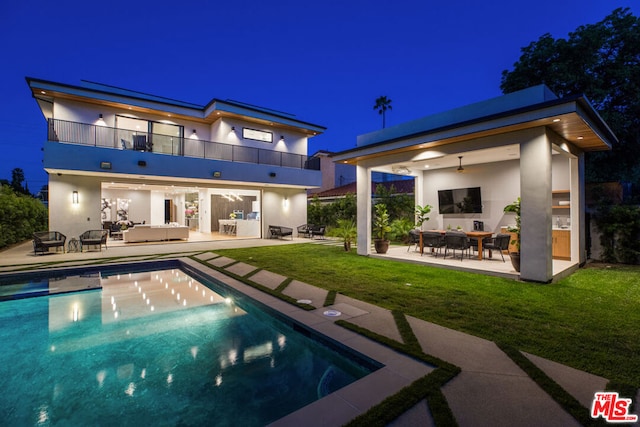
point(20, 216)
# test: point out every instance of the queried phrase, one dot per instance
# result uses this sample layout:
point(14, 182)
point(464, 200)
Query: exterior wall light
point(100, 121)
point(74, 197)
point(193, 135)
point(285, 202)
point(281, 138)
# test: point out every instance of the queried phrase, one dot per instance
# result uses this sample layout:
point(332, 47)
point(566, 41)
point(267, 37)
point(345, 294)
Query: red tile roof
point(404, 186)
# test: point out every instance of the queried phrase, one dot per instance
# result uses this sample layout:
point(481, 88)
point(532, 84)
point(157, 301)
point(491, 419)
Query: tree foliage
point(382, 105)
point(20, 216)
point(329, 214)
point(399, 205)
point(601, 61)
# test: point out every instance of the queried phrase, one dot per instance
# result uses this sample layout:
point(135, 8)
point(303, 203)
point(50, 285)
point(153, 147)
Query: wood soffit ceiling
point(212, 118)
point(571, 127)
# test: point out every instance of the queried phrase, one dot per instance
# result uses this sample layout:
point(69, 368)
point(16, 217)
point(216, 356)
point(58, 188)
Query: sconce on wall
point(232, 132)
point(194, 135)
point(100, 121)
point(281, 138)
point(285, 202)
point(74, 197)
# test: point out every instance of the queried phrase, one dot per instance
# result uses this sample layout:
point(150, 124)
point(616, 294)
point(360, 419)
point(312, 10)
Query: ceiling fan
point(460, 168)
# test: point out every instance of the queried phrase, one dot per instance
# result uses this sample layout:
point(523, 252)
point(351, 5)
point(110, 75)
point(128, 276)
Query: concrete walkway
point(491, 389)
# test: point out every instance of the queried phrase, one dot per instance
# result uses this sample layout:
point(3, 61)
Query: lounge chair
point(93, 238)
point(43, 240)
point(318, 230)
point(304, 230)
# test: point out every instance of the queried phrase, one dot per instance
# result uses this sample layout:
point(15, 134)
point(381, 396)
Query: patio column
point(363, 196)
point(536, 263)
point(418, 189)
point(578, 221)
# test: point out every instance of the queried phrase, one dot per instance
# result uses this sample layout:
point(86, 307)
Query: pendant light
point(460, 168)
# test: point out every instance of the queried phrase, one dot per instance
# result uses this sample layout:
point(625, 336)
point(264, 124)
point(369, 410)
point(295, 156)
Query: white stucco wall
point(67, 218)
point(275, 211)
point(499, 186)
point(294, 142)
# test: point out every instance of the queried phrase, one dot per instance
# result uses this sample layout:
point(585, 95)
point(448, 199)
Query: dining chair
point(456, 240)
point(432, 240)
point(499, 243)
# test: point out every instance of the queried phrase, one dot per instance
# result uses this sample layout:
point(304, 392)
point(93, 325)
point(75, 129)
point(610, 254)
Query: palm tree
point(382, 105)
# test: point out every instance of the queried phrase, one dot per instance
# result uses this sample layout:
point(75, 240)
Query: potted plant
point(347, 231)
point(515, 256)
point(380, 228)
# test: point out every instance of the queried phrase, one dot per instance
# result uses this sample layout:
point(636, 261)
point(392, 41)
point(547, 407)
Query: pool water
point(157, 348)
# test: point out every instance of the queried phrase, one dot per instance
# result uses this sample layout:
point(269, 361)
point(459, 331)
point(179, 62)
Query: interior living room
point(129, 210)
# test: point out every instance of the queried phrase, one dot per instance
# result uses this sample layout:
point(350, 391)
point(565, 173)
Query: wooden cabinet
point(514, 236)
point(561, 244)
point(558, 196)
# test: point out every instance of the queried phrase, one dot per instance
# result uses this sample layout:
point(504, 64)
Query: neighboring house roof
point(44, 91)
point(404, 186)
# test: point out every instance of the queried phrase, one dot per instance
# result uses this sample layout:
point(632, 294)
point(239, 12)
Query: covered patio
point(492, 266)
point(528, 144)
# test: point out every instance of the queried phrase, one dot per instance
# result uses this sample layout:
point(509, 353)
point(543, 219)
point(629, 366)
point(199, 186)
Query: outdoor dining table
point(480, 235)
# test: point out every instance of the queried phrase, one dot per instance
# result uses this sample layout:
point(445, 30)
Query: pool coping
point(341, 406)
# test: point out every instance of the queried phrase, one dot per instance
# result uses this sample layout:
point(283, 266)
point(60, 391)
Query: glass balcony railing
point(123, 139)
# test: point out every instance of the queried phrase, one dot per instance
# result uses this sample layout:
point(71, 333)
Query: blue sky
point(326, 62)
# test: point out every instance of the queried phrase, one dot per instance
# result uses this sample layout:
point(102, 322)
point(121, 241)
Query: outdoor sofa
point(43, 240)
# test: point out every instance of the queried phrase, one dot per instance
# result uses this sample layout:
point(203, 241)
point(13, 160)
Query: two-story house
point(115, 155)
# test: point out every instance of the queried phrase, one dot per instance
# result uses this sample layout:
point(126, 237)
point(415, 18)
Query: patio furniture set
point(305, 230)
point(311, 231)
point(454, 240)
point(45, 240)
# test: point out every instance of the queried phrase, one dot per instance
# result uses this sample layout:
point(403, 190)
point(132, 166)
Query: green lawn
point(590, 320)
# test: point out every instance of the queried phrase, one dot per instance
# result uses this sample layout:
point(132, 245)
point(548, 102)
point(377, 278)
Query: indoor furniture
point(155, 233)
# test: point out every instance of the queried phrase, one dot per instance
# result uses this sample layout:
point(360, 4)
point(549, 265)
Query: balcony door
point(146, 135)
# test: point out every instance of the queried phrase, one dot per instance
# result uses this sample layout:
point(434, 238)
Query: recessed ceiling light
point(556, 120)
point(426, 166)
point(43, 92)
point(580, 138)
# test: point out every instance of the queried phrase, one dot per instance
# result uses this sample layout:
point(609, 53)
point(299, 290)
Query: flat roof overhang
point(574, 119)
point(46, 91)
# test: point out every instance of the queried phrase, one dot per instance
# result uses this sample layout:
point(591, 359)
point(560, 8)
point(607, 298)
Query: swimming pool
point(155, 347)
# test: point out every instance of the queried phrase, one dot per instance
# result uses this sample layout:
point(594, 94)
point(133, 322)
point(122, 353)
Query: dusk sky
point(326, 62)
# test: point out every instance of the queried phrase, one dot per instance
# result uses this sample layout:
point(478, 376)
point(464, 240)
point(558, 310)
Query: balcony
point(123, 139)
